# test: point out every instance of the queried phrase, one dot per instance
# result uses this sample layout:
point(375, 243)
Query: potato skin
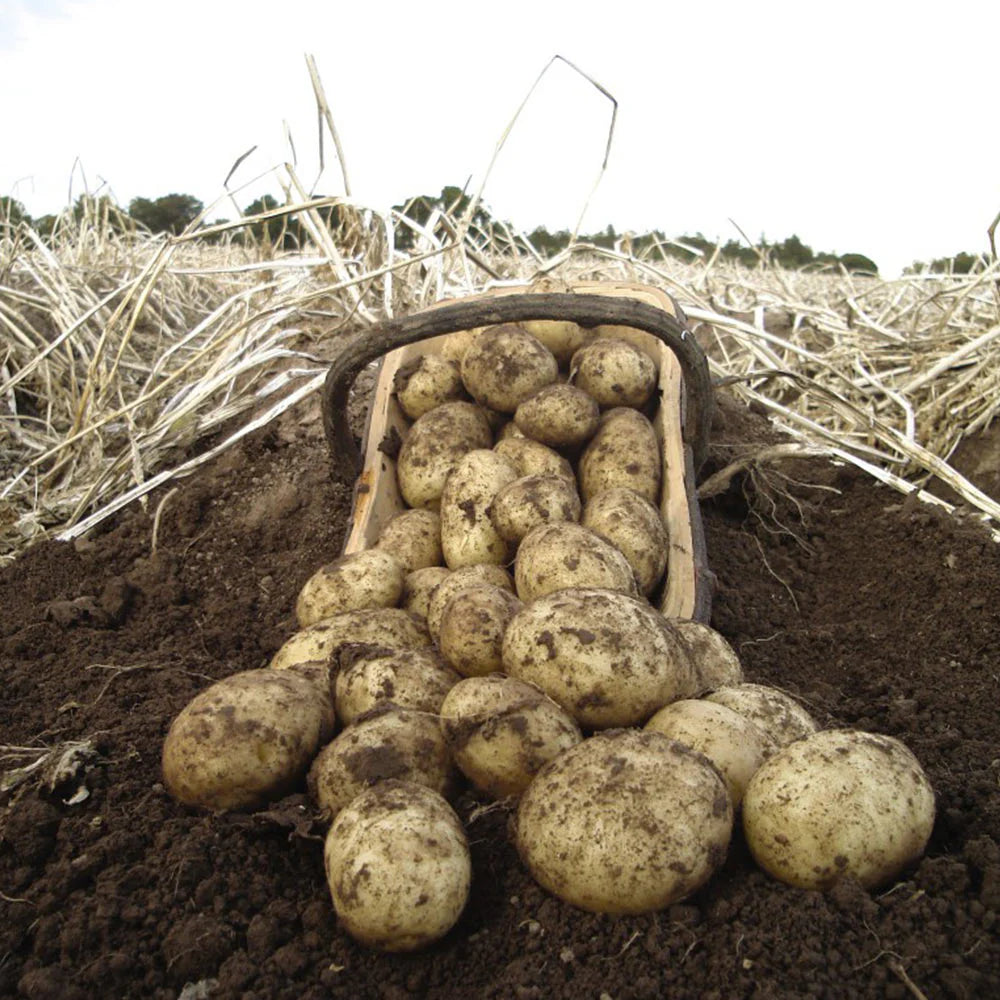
point(562, 337)
point(607, 658)
point(715, 661)
point(433, 447)
point(505, 365)
point(777, 713)
point(624, 822)
point(459, 579)
point(633, 526)
point(425, 382)
point(836, 804)
point(419, 586)
point(623, 452)
point(530, 501)
point(614, 372)
point(244, 741)
point(473, 622)
point(562, 555)
point(502, 732)
point(413, 537)
point(532, 458)
point(398, 866)
point(368, 579)
point(560, 416)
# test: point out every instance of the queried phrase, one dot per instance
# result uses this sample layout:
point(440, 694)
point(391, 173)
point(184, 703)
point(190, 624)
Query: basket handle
point(586, 310)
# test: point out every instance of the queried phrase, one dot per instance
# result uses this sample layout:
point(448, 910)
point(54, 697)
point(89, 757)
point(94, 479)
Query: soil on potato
point(876, 612)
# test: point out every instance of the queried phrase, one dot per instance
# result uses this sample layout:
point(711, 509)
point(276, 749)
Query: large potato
point(623, 452)
point(370, 675)
point(388, 626)
point(624, 822)
point(505, 365)
point(467, 533)
point(633, 526)
point(777, 713)
point(459, 579)
point(368, 579)
point(560, 416)
point(425, 382)
point(413, 537)
point(838, 804)
point(715, 661)
point(244, 741)
point(614, 373)
point(472, 626)
point(419, 586)
point(387, 742)
point(561, 555)
point(502, 732)
point(530, 501)
point(433, 446)
point(562, 337)
point(398, 866)
point(532, 458)
point(607, 658)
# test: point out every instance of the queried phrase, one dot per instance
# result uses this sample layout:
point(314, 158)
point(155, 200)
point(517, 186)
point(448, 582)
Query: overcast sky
point(860, 126)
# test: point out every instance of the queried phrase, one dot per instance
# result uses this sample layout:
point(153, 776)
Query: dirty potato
point(532, 458)
point(777, 713)
point(530, 501)
point(472, 625)
point(368, 579)
point(413, 537)
point(418, 587)
point(505, 365)
point(562, 337)
point(425, 382)
point(614, 373)
point(623, 453)
point(560, 416)
point(459, 579)
point(715, 661)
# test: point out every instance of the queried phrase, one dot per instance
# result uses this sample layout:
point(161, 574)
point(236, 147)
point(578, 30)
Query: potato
point(532, 458)
point(418, 587)
point(509, 430)
point(715, 661)
point(633, 526)
point(368, 579)
point(398, 866)
point(502, 731)
point(560, 416)
point(838, 804)
point(370, 675)
point(734, 744)
point(425, 382)
point(389, 626)
point(467, 533)
point(777, 713)
point(459, 579)
point(472, 626)
point(556, 556)
point(614, 373)
point(386, 742)
point(562, 337)
point(623, 452)
point(455, 346)
point(505, 365)
point(414, 539)
point(624, 822)
point(244, 741)
point(607, 658)
point(530, 501)
point(433, 446)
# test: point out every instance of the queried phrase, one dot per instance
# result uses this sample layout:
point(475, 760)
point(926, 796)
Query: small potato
point(614, 373)
point(467, 533)
point(414, 539)
point(433, 447)
point(505, 365)
point(777, 713)
point(633, 526)
point(734, 744)
point(389, 626)
point(560, 416)
point(454, 348)
point(246, 740)
point(532, 458)
point(425, 382)
point(624, 822)
point(623, 452)
point(561, 555)
point(370, 675)
point(508, 430)
point(607, 658)
point(398, 866)
point(715, 661)
point(502, 732)
point(472, 626)
point(418, 587)
point(368, 579)
point(387, 742)
point(562, 337)
point(838, 804)
point(459, 579)
point(530, 501)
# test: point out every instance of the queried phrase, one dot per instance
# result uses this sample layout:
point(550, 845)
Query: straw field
point(127, 360)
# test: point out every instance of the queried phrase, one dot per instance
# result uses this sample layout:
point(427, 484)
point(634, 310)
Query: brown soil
point(878, 614)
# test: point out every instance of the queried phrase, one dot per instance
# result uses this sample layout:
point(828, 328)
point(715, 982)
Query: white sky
point(861, 126)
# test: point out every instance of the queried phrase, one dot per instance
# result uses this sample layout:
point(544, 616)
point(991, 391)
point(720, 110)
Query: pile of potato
point(500, 632)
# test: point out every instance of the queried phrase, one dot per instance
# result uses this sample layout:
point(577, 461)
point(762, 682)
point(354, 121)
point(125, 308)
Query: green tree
point(12, 213)
point(170, 213)
point(858, 263)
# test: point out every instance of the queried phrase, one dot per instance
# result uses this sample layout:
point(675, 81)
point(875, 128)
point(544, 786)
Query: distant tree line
point(174, 213)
